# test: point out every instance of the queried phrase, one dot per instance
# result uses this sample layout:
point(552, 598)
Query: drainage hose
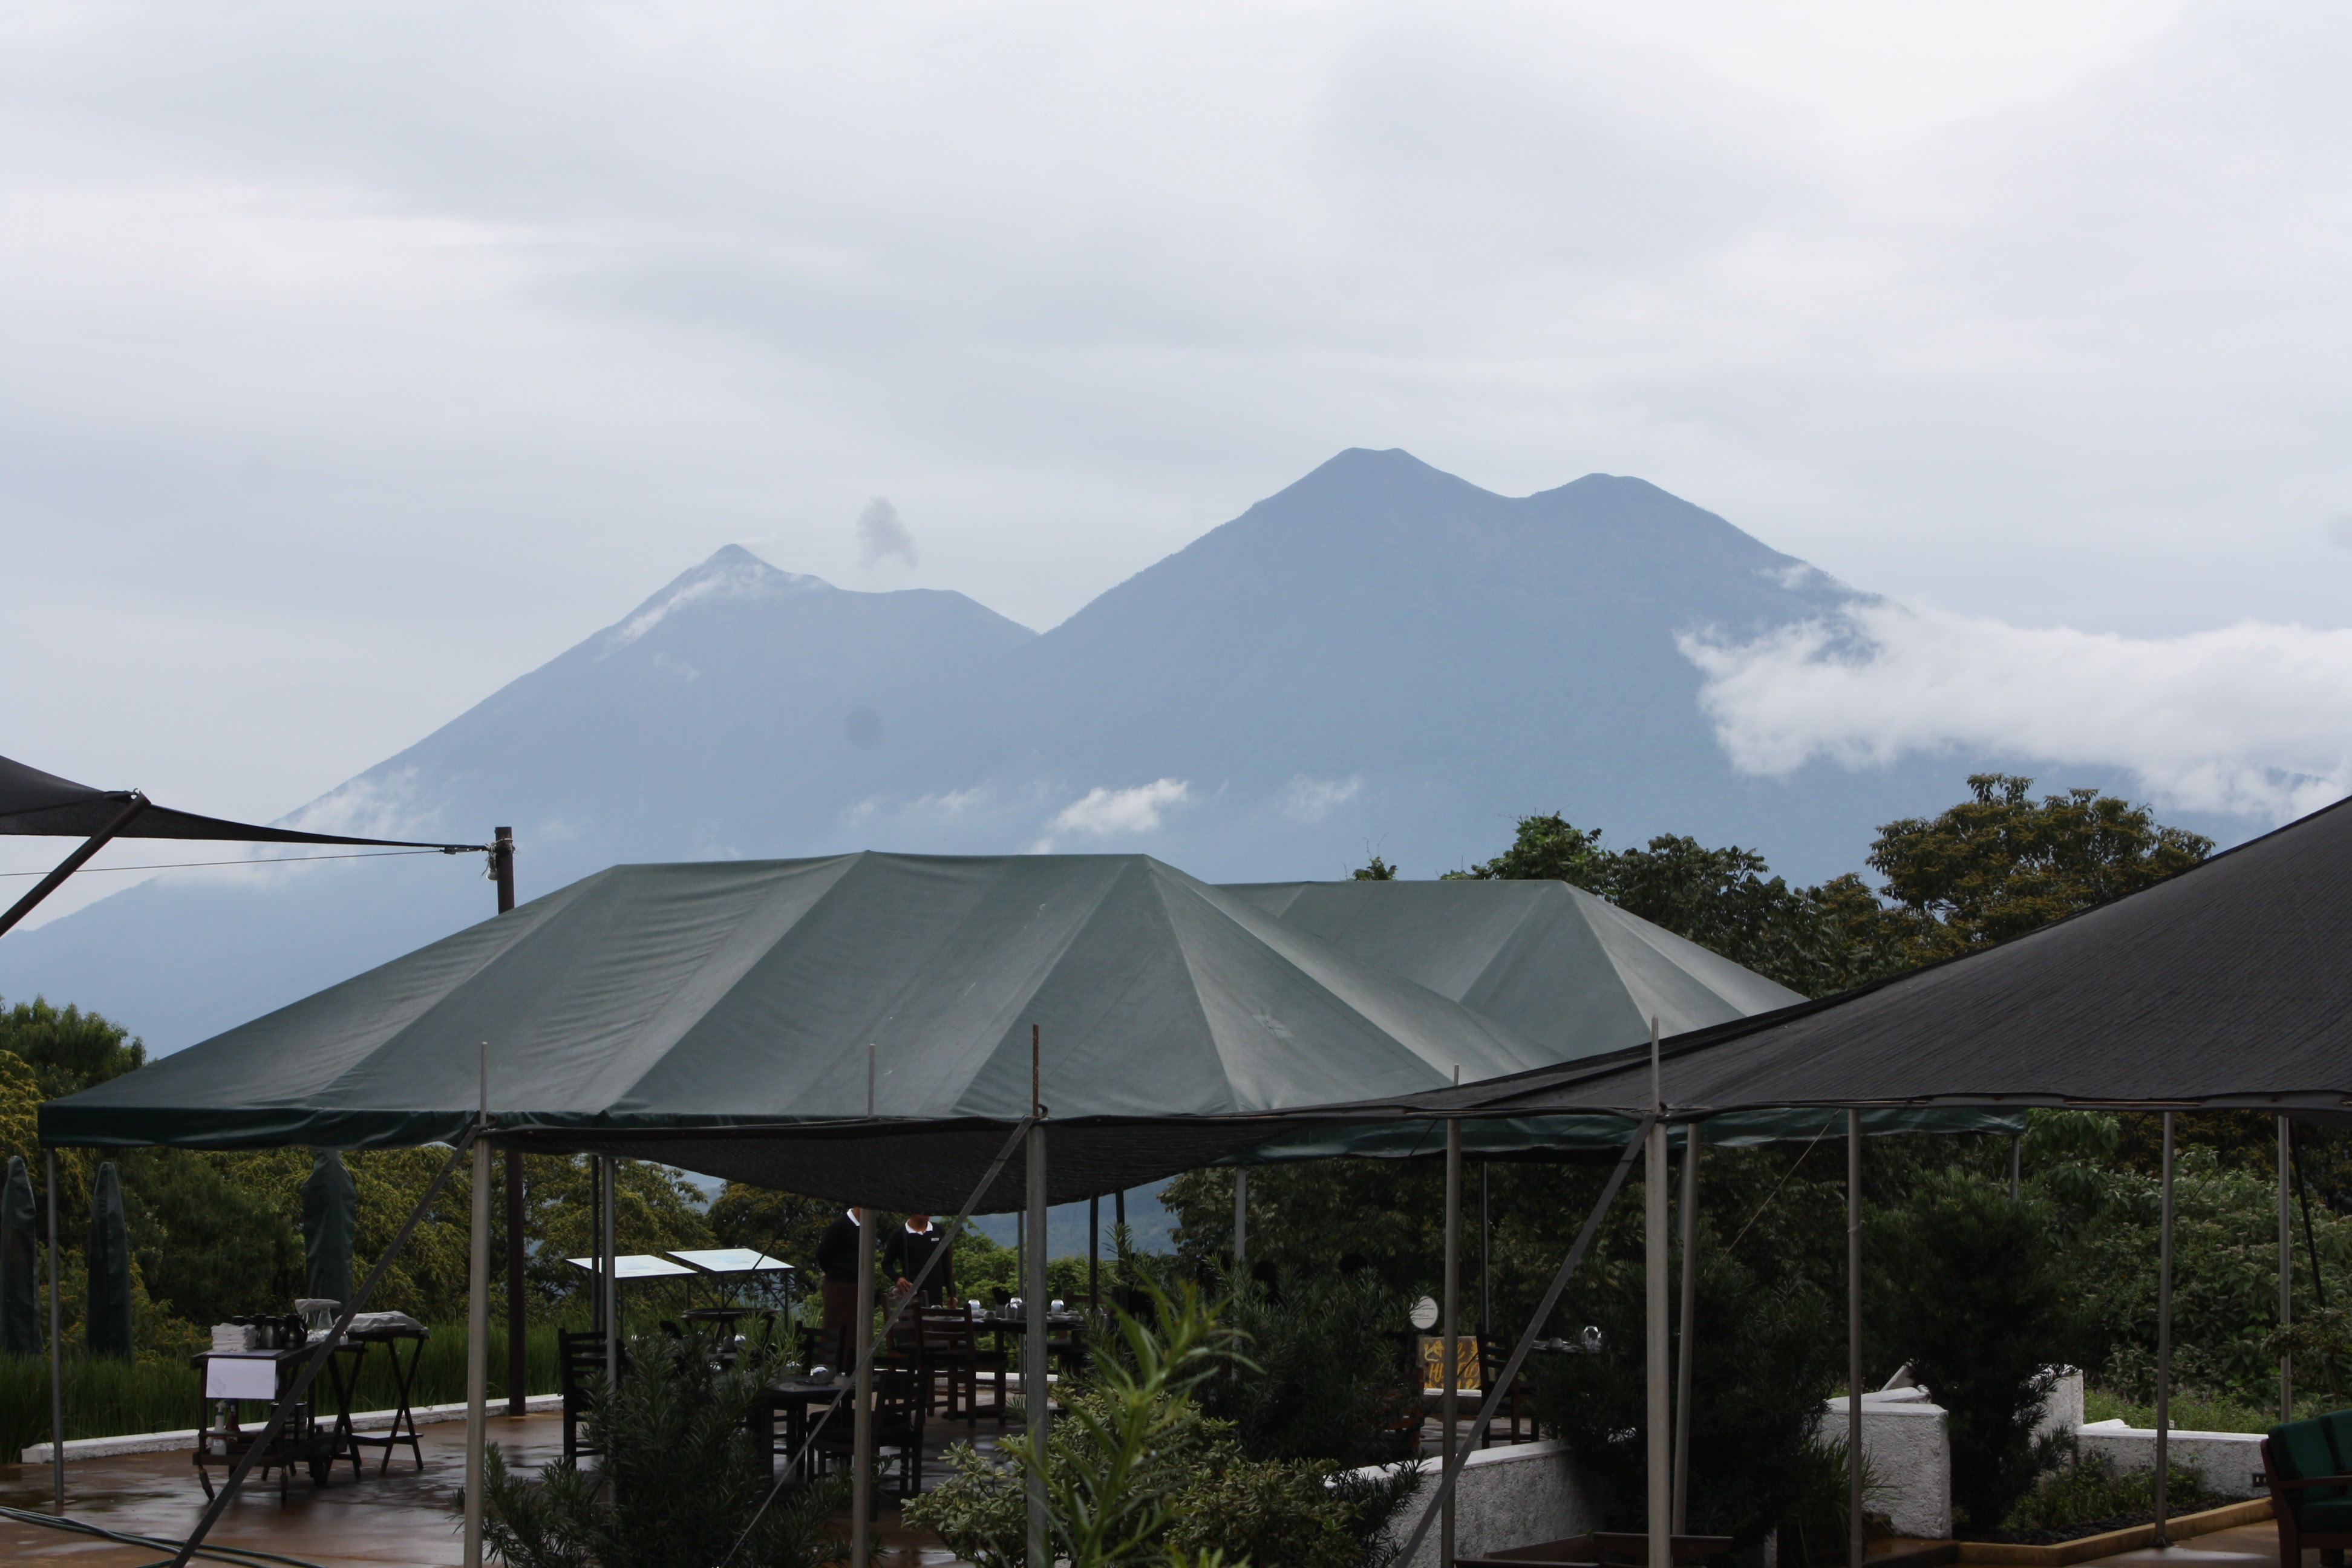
point(239, 1556)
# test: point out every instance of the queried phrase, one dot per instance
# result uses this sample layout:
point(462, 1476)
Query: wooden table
point(404, 1376)
point(796, 1398)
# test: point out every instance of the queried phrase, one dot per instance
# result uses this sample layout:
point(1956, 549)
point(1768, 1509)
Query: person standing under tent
point(836, 1259)
point(904, 1255)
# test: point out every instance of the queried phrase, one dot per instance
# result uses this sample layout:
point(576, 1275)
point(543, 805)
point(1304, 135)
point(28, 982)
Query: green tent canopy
point(718, 1016)
point(1567, 969)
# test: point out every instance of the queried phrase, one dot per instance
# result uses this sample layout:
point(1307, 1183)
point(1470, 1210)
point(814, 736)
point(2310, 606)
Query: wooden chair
point(951, 1336)
point(834, 1347)
point(900, 1399)
point(581, 1358)
point(1512, 1414)
point(2311, 1494)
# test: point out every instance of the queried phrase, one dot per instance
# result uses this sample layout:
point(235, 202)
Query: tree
point(1999, 864)
point(1379, 870)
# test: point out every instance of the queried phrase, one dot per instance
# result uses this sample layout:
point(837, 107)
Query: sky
point(354, 360)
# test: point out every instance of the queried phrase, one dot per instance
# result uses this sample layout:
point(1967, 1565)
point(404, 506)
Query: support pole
point(518, 1329)
point(2164, 1343)
point(1485, 1266)
point(861, 1421)
point(1855, 1534)
point(1450, 1327)
point(57, 1352)
point(1684, 1348)
point(608, 1284)
point(1093, 1252)
point(72, 862)
point(1659, 1448)
point(1036, 1350)
point(1241, 1224)
point(861, 1443)
point(477, 1354)
point(2286, 1264)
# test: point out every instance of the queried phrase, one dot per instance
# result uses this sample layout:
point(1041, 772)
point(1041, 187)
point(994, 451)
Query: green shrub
point(2089, 1490)
point(680, 1482)
point(1329, 1383)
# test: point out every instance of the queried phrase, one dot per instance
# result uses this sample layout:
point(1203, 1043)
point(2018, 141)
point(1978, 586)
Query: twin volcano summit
point(1381, 656)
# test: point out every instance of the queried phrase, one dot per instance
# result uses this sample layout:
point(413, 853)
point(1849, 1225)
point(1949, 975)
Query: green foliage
point(1999, 864)
point(1135, 1472)
point(681, 1480)
point(2089, 1490)
point(1970, 1290)
point(67, 1048)
point(781, 1224)
point(1378, 871)
point(1329, 1381)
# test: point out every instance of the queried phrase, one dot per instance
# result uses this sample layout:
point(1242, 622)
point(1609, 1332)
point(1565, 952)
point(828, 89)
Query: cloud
point(881, 533)
point(1101, 813)
point(2253, 720)
point(1311, 800)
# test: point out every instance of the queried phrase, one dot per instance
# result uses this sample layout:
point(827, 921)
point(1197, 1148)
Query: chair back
point(580, 1356)
point(828, 1347)
point(2300, 1451)
point(2338, 1426)
point(900, 1398)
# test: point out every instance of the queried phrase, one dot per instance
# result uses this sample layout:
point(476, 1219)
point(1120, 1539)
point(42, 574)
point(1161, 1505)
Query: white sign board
point(240, 1378)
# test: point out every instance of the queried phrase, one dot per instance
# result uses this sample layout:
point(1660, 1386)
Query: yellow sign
point(1433, 1360)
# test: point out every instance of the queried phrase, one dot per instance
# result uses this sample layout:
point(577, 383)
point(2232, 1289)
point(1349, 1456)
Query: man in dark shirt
point(836, 1259)
point(904, 1255)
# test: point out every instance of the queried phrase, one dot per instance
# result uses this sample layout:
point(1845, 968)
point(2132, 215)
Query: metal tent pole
point(1094, 1251)
point(57, 1351)
point(1450, 1327)
point(1685, 1349)
point(1853, 1456)
point(73, 862)
point(1035, 1348)
point(1653, 1269)
point(502, 851)
point(478, 1331)
point(2164, 1341)
point(1486, 1265)
point(2016, 1164)
point(861, 1422)
point(2286, 1265)
point(608, 1269)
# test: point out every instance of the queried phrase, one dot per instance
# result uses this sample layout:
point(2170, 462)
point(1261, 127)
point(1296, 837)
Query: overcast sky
point(354, 359)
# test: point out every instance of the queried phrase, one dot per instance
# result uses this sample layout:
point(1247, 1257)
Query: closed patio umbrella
point(108, 1325)
point(330, 1215)
point(20, 1317)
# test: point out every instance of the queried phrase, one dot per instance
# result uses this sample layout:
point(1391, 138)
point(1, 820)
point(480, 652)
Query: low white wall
point(1907, 1445)
point(2062, 1406)
point(365, 1420)
point(2225, 1462)
point(1515, 1494)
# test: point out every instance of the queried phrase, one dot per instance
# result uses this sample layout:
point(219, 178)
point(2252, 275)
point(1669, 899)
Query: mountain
point(1380, 656)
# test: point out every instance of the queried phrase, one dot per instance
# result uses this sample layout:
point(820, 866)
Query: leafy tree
point(1999, 864)
point(67, 1048)
point(1379, 870)
point(782, 1225)
point(1330, 1380)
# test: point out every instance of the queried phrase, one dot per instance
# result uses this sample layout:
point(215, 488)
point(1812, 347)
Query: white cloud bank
point(1101, 813)
point(2253, 720)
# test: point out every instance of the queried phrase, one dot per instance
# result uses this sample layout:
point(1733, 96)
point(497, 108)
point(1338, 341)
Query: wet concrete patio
point(401, 1516)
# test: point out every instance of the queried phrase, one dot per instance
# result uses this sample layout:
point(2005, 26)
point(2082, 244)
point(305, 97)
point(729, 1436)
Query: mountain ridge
point(1378, 656)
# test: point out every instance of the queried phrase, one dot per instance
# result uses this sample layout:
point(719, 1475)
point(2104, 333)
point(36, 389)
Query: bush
point(2089, 1492)
point(1135, 1472)
point(681, 1480)
point(1968, 1289)
point(1329, 1382)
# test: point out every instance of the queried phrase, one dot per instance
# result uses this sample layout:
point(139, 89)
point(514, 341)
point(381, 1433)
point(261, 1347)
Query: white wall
point(1907, 1447)
point(1515, 1494)
point(2226, 1462)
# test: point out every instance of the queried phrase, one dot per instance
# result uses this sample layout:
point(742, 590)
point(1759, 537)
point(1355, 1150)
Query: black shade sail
point(2227, 986)
point(32, 802)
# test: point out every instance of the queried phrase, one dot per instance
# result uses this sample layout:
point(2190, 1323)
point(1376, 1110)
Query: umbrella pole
point(2286, 1268)
point(1449, 1404)
point(2164, 1341)
point(1658, 1449)
point(1854, 1523)
point(1684, 1350)
point(57, 1352)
